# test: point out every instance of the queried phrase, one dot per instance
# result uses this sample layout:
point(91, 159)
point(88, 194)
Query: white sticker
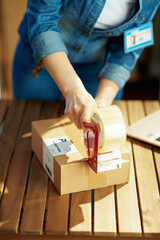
point(48, 161)
point(55, 147)
point(110, 165)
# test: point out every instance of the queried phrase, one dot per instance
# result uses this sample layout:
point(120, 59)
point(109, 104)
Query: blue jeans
point(43, 87)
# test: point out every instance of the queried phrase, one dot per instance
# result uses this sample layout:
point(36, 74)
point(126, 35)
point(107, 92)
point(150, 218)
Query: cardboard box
point(59, 146)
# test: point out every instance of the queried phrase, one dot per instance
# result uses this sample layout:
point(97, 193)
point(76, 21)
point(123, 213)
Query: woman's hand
point(79, 104)
point(106, 92)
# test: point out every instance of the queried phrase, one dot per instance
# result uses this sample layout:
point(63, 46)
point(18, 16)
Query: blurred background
point(144, 82)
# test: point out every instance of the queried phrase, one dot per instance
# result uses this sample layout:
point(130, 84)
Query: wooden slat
point(135, 111)
point(3, 108)
point(80, 213)
point(12, 200)
point(104, 212)
point(34, 207)
point(58, 206)
point(8, 138)
point(146, 177)
point(48, 237)
point(61, 110)
point(50, 109)
point(129, 223)
point(57, 212)
point(151, 106)
point(156, 152)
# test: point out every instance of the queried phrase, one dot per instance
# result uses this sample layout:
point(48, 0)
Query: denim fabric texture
point(51, 26)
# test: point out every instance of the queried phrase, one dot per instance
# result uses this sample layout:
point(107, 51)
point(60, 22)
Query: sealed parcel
point(59, 146)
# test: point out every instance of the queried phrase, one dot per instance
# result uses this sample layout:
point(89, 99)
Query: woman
point(80, 45)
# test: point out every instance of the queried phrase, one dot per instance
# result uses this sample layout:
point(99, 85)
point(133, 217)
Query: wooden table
point(31, 208)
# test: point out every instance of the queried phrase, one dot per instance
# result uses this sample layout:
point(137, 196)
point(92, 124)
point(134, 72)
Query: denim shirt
point(51, 26)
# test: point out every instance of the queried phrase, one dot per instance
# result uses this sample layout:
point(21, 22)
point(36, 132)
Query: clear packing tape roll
point(111, 128)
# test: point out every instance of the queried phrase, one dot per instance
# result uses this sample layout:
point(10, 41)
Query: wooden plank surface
point(12, 200)
point(57, 212)
point(70, 237)
point(8, 138)
point(35, 201)
point(3, 109)
point(104, 212)
point(57, 206)
point(146, 161)
point(51, 109)
point(146, 177)
point(129, 223)
point(151, 106)
point(80, 214)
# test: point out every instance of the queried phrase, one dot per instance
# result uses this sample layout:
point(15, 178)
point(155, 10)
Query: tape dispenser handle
point(91, 134)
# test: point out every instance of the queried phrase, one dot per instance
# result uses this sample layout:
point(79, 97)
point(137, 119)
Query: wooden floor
point(31, 208)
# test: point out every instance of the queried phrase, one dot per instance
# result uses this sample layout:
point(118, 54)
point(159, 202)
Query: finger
point(85, 116)
point(73, 116)
point(77, 120)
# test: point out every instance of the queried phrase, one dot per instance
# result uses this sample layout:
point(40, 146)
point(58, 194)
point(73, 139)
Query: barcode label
point(48, 170)
point(60, 146)
point(55, 147)
point(48, 161)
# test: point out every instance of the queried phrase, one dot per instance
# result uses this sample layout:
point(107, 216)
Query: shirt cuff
point(47, 43)
point(116, 73)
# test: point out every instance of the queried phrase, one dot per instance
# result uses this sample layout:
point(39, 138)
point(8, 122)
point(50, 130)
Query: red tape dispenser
point(104, 137)
point(91, 144)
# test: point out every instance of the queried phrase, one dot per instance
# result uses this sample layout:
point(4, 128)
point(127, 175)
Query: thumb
point(85, 116)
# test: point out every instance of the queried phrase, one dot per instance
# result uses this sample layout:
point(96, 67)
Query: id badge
point(138, 37)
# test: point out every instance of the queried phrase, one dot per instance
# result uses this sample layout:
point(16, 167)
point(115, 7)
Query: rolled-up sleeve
point(118, 65)
point(44, 35)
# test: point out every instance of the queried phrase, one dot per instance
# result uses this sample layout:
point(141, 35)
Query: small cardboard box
point(59, 146)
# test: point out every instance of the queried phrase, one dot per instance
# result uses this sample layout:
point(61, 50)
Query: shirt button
point(110, 34)
point(135, 19)
point(86, 34)
point(143, 19)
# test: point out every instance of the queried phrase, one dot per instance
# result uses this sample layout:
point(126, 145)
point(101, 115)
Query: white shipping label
point(48, 161)
point(55, 147)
